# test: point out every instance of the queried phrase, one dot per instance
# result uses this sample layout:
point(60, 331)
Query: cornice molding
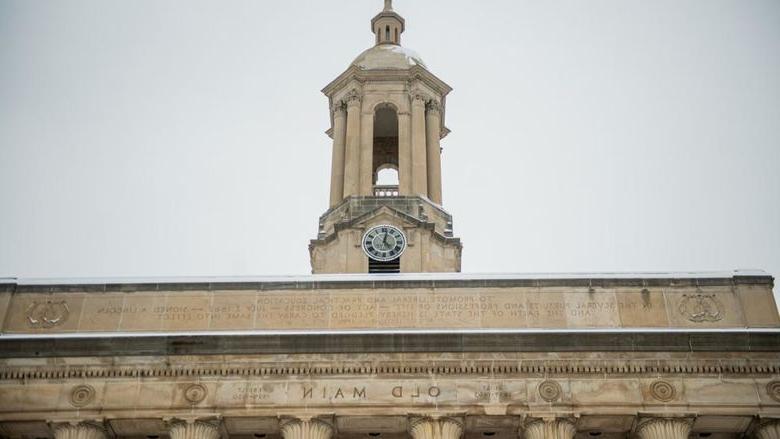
point(518, 369)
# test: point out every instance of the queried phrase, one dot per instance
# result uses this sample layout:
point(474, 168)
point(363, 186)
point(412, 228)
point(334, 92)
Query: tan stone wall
point(77, 309)
point(496, 384)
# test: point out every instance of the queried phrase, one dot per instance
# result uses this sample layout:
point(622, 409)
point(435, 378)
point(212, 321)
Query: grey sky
point(167, 138)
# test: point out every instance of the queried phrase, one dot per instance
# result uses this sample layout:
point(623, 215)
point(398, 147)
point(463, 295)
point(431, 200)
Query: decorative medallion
point(662, 391)
point(47, 314)
point(82, 395)
point(773, 390)
point(550, 391)
point(195, 393)
point(701, 308)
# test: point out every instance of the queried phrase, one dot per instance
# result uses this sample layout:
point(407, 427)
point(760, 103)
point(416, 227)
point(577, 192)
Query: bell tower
point(387, 121)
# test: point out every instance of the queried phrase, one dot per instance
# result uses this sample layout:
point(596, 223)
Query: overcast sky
point(180, 138)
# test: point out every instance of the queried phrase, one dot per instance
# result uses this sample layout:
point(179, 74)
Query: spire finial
point(388, 5)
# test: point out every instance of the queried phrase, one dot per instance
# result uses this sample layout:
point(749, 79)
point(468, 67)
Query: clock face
point(384, 243)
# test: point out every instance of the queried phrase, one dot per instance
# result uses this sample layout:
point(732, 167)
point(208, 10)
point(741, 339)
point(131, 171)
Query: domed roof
point(388, 56)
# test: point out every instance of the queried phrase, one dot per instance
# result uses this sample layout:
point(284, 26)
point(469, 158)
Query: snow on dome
point(388, 56)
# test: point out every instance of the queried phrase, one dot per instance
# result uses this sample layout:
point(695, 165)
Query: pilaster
point(419, 153)
point(433, 141)
point(337, 162)
point(352, 149)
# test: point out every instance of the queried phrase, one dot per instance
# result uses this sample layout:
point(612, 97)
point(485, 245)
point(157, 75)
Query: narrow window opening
point(385, 152)
point(387, 33)
point(396, 36)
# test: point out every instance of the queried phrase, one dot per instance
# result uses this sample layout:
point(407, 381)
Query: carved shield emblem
point(47, 314)
point(701, 308)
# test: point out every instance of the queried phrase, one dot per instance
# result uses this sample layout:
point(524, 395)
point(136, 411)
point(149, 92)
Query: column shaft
point(549, 429)
point(79, 431)
point(337, 162)
point(419, 167)
point(193, 430)
point(433, 125)
point(664, 428)
point(404, 153)
point(306, 429)
point(367, 154)
point(352, 149)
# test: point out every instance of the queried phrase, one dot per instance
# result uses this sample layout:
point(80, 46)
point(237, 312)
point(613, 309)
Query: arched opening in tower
point(385, 153)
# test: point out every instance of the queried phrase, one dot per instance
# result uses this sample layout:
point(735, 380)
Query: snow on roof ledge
point(386, 277)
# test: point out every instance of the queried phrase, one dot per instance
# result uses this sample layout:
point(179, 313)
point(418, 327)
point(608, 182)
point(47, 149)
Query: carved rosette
point(441, 428)
point(664, 428)
point(82, 395)
point(306, 429)
point(550, 391)
point(768, 429)
point(662, 390)
point(193, 430)
point(82, 430)
point(195, 393)
point(773, 390)
point(549, 429)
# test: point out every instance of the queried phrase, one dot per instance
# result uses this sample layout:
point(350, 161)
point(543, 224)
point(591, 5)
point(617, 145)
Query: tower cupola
point(388, 25)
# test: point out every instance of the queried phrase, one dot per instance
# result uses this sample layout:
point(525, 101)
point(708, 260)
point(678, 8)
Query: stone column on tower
point(337, 163)
point(554, 428)
point(664, 428)
point(433, 125)
point(81, 430)
point(193, 429)
point(352, 148)
point(419, 153)
point(306, 429)
point(367, 153)
point(441, 428)
point(404, 153)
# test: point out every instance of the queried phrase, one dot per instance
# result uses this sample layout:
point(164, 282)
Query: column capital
point(548, 428)
point(305, 428)
point(353, 97)
point(433, 106)
point(664, 427)
point(339, 108)
point(430, 427)
point(767, 429)
point(79, 430)
point(193, 428)
point(419, 97)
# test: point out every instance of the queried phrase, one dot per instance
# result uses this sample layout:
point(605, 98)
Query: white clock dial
point(384, 243)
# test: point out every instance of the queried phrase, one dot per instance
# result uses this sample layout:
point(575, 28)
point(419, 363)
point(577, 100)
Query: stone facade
point(402, 356)
point(399, 356)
